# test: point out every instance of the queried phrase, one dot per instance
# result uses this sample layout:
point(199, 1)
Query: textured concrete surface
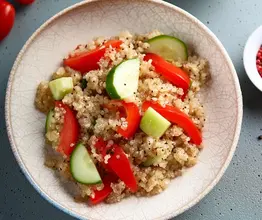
point(237, 196)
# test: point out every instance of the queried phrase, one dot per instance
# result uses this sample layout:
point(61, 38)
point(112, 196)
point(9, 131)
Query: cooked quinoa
point(174, 149)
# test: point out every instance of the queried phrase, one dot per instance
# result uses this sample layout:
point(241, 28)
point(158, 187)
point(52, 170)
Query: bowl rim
point(163, 4)
point(254, 41)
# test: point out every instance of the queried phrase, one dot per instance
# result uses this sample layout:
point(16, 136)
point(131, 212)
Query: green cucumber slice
point(168, 47)
point(49, 119)
point(82, 167)
point(122, 80)
point(60, 87)
point(152, 160)
point(154, 124)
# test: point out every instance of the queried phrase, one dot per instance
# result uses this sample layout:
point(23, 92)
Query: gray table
point(237, 196)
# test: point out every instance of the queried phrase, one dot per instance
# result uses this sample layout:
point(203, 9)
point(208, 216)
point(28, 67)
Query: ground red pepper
point(259, 61)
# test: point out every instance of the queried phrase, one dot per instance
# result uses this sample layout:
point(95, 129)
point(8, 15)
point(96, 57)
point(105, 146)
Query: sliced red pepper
point(101, 145)
point(132, 116)
point(88, 61)
point(101, 195)
point(174, 115)
point(118, 163)
point(69, 132)
point(116, 106)
point(170, 72)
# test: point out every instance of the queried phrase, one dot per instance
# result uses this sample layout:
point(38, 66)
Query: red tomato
point(70, 131)
point(170, 72)
point(7, 18)
point(25, 2)
point(120, 164)
point(88, 61)
point(174, 115)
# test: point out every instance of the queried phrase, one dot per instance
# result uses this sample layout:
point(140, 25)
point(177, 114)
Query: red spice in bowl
point(259, 61)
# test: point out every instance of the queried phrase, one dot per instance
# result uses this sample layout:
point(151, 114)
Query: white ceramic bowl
point(43, 53)
point(250, 52)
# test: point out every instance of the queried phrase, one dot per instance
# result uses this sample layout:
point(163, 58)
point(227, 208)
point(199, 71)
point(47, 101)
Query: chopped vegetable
point(133, 117)
point(168, 47)
point(49, 119)
point(174, 115)
point(170, 72)
point(88, 61)
point(60, 87)
point(69, 132)
point(122, 80)
point(101, 195)
point(154, 124)
point(118, 163)
point(82, 166)
point(152, 161)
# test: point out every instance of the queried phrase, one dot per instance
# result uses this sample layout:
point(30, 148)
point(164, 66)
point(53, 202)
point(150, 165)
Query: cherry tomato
point(25, 2)
point(7, 18)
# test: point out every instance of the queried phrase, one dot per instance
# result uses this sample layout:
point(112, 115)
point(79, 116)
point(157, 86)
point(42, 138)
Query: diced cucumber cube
point(154, 124)
point(60, 87)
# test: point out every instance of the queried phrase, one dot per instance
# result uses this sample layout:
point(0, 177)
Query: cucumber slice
point(122, 80)
point(60, 87)
point(168, 47)
point(152, 161)
point(154, 124)
point(82, 167)
point(49, 119)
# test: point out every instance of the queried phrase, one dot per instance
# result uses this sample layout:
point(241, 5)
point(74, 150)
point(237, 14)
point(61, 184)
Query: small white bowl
point(250, 52)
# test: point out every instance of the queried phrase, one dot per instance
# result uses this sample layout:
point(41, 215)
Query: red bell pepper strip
point(88, 61)
point(118, 163)
point(174, 115)
point(101, 145)
point(132, 116)
point(170, 72)
point(116, 106)
point(101, 195)
point(69, 132)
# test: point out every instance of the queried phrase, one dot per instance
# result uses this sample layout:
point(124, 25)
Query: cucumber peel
point(49, 119)
point(122, 80)
point(82, 166)
point(168, 47)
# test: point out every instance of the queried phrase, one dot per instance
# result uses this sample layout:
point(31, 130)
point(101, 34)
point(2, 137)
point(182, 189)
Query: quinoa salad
point(123, 115)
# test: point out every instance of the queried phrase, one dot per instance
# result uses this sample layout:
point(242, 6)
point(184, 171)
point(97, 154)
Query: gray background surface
point(237, 196)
